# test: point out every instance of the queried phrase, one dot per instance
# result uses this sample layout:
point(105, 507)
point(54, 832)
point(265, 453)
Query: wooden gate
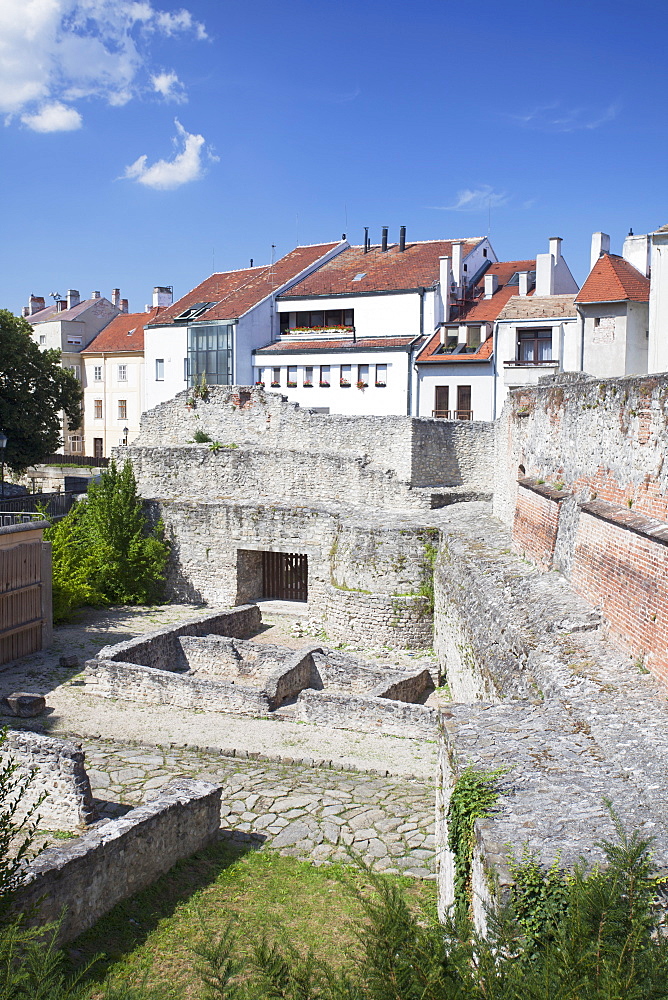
point(20, 600)
point(285, 576)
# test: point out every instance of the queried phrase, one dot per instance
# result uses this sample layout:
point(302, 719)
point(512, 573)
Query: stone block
point(24, 704)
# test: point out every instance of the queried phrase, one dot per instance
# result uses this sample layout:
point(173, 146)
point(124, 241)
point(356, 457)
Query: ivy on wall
point(473, 797)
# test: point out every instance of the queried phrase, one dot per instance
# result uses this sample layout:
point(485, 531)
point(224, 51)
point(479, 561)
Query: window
point(324, 376)
point(381, 376)
point(76, 370)
point(534, 346)
point(284, 322)
point(122, 409)
point(75, 442)
point(328, 319)
point(122, 373)
point(292, 376)
point(464, 403)
point(346, 371)
point(42, 339)
point(185, 369)
point(159, 369)
point(97, 373)
point(441, 402)
point(97, 409)
point(362, 376)
point(210, 354)
point(473, 337)
point(74, 340)
point(275, 377)
point(308, 376)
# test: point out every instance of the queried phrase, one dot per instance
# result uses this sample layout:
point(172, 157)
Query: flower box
point(275, 385)
point(381, 385)
point(291, 385)
point(260, 384)
point(307, 385)
point(344, 385)
point(324, 385)
point(362, 385)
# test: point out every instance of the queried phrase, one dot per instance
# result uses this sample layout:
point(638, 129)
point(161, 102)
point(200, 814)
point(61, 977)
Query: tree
point(34, 390)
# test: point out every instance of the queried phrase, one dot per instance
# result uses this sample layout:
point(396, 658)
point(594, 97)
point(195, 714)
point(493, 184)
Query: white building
point(114, 379)
point(349, 332)
point(214, 329)
point(69, 325)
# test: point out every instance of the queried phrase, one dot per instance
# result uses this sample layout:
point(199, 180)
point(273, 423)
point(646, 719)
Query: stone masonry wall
point(536, 522)
point(85, 878)
point(367, 715)
point(604, 444)
point(59, 774)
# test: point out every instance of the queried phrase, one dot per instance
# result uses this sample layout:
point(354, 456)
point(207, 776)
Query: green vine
point(426, 588)
point(539, 896)
point(473, 797)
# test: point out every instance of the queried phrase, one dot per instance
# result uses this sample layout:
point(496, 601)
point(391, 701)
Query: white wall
point(396, 315)
point(171, 344)
point(393, 399)
point(658, 305)
point(255, 329)
point(479, 376)
point(110, 390)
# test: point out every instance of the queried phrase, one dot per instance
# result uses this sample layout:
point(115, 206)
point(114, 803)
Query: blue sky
point(142, 141)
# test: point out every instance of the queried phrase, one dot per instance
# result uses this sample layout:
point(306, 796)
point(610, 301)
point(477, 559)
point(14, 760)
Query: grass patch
point(149, 938)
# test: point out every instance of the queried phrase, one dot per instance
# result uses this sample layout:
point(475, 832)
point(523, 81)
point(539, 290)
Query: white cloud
point(62, 51)
point(185, 166)
point(555, 118)
point(54, 117)
point(476, 200)
point(169, 86)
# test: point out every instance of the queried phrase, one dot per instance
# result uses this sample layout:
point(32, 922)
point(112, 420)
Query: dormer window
point(193, 312)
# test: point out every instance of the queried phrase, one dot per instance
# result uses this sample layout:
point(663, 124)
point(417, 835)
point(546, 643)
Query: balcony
point(527, 372)
point(318, 332)
point(453, 414)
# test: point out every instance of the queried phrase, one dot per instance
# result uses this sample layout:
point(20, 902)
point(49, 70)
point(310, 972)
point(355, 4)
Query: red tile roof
point(309, 346)
point(235, 292)
point(613, 279)
point(481, 311)
point(416, 267)
point(124, 333)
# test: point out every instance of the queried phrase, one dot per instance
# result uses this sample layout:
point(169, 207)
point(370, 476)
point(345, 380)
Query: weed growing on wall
point(474, 796)
point(104, 551)
point(426, 589)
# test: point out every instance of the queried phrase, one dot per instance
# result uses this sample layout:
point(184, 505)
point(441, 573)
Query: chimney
point(555, 247)
point(116, 297)
point(637, 251)
point(524, 283)
point(95, 295)
point(444, 279)
point(457, 262)
point(73, 298)
point(545, 273)
point(163, 295)
point(61, 305)
point(124, 305)
point(491, 285)
point(402, 239)
point(366, 239)
point(35, 305)
point(383, 245)
point(600, 244)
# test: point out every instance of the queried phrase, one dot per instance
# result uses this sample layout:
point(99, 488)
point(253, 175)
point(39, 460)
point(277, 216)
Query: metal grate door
point(285, 576)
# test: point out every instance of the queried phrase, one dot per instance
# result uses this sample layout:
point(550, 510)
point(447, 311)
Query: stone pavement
point(312, 813)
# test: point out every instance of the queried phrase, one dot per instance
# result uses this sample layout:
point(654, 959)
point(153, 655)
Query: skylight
point(358, 277)
point(192, 312)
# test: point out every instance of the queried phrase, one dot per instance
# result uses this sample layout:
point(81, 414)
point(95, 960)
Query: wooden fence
point(21, 613)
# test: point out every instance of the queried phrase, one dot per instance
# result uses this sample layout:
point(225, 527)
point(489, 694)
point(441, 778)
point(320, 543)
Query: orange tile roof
point(124, 333)
point(235, 292)
point(309, 346)
point(481, 311)
point(417, 266)
point(613, 279)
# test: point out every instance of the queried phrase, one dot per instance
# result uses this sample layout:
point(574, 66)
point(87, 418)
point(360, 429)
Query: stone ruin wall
point(583, 481)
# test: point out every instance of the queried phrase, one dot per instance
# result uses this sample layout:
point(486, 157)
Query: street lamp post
point(125, 435)
point(3, 445)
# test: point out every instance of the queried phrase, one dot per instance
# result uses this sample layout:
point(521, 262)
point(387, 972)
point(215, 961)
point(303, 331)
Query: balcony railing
point(546, 362)
point(453, 414)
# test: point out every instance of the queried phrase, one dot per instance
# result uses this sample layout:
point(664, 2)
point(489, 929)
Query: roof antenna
point(213, 260)
point(630, 232)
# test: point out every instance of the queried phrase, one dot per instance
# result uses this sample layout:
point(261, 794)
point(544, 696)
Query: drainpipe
point(495, 369)
point(582, 338)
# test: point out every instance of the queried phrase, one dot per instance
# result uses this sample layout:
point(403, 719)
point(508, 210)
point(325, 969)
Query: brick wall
point(625, 573)
point(536, 522)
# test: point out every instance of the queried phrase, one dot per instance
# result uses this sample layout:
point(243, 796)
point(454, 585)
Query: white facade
point(113, 400)
point(658, 302)
point(458, 378)
point(385, 372)
point(614, 338)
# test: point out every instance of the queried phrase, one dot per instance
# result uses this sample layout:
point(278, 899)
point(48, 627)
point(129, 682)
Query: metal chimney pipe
point(366, 239)
point(383, 245)
point(402, 239)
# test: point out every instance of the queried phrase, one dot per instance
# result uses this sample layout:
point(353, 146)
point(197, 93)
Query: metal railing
point(84, 460)
point(453, 414)
point(530, 364)
point(55, 506)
